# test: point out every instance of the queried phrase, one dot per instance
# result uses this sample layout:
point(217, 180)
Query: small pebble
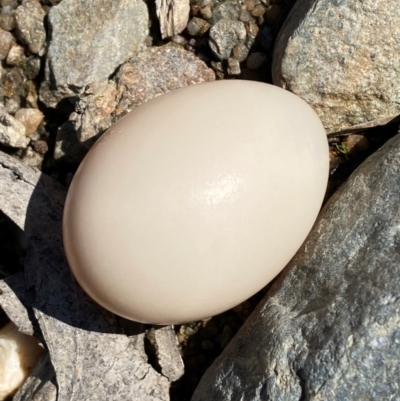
point(12, 104)
point(32, 158)
point(6, 40)
point(252, 31)
point(355, 143)
point(233, 67)
point(258, 11)
point(255, 60)
point(198, 26)
point(206, 12)
point(7, 22)
point(240, 52)
point(189, 331)
point(16, 55)
point(41, 147)
point(179, 40)
point(245, 16)
point(251, 4)
point(30, 118)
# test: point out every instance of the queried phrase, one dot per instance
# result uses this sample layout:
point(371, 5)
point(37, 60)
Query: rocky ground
point(71, 68)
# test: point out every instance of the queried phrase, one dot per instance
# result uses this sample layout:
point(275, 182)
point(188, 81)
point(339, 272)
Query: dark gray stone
point(342, 57)
point(329, 327)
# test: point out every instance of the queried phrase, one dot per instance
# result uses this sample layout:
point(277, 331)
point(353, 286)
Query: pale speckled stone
point(343, 58)
point(102, 33)
point(6, 40)
point(30, 25)
point(12, 132)
point(224, 36)
point(30, 118)
point(329, 327)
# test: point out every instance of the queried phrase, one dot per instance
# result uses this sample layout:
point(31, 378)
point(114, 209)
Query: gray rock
point(6, 40)
point(16, 55)
point(169, 357)
point(7, 21)
point(12, 132)
point(198, 26)
point(224, 36)
point(173, 16)
point(229, 9)
point(240, 52)
point(30, 25)
point(90, 39)
point(233, 67)
point(329, 327)
point(151, 73)
point(343, 58)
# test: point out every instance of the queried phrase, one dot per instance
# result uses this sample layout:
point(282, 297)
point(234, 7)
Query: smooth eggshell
point(194, 201)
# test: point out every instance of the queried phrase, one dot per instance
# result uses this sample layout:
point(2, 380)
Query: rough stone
point(173, 16)
point(151, 73)
point(7, 21)
point(224, 36)
point(6, 40)
point(32, 158)
point(229, 9)
point(30, 118)
point(16, 55)
point(233, 67)
point(110, 32)
point(343, 58)
point(198, 26)
point(240, 52)
point(12, 132)
point(30, 25)
point(171, 362)
point(329, 327)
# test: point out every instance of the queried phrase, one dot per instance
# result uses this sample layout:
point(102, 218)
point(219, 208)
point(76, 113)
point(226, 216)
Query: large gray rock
point(149, 74)
point(90, 39)
point(343, 58)
point(329, 327)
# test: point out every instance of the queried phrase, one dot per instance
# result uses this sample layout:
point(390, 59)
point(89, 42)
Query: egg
point(194, 201)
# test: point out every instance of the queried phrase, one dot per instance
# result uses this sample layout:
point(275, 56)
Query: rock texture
point(94, 354)
point(30, 25)
point(342, 57)
point(151, 73)
point(89, 40)
point(12, 132)
point(329, 327)
point(173, 16)
point(224, 36)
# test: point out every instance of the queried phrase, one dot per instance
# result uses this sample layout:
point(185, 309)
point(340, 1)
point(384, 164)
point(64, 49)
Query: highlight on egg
point(194, 201)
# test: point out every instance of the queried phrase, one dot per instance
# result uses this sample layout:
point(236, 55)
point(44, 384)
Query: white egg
point(196, 200)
